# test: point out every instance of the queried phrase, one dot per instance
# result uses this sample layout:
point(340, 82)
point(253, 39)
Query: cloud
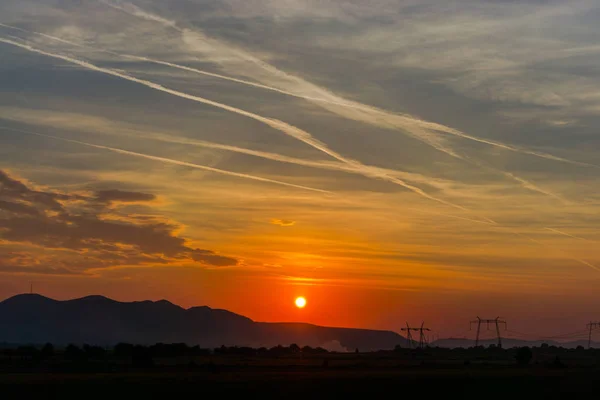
point(431, 133)
point(172, 161)
point(107, 196)
point(283, 222)
point(209, 257)
point(79, 233)
point(281, 126)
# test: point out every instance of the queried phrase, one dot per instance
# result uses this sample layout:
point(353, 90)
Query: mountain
point(97, 320)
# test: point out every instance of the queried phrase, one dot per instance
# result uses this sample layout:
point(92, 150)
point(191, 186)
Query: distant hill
point(452, 343)
point(97, 320)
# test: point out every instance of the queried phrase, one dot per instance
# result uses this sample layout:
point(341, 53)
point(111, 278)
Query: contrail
point(592, 266)
point(281, 126)
point(43, 34)
point(528, 185)
point(588, 264)
point(414, 127)
point(423, 136)
point(404, 121)
point(358, 106)
point(568, 235)
point(171, 161)
point(182, 163)
point(319, 164)
point(379, 117)
point(523, 182)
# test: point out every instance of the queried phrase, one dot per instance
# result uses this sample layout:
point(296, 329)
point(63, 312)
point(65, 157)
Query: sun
point(300, 302)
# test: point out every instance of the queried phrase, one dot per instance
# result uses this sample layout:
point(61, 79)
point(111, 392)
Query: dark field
point(466, 373)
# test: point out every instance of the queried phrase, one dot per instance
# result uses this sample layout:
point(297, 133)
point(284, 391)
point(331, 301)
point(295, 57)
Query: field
point(470, 374)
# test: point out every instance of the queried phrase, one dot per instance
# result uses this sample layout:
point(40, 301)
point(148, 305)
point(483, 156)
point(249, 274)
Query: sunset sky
point(389, 160)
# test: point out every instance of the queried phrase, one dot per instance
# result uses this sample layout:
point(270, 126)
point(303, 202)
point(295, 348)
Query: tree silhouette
point(123, 350)
point(47, 351)
point(73, 353)
point(524, 355)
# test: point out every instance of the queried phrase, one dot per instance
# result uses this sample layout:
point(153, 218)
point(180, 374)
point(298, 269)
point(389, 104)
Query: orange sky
point(436, 167)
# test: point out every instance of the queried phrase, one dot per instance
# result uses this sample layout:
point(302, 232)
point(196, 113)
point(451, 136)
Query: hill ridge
point(99, 320)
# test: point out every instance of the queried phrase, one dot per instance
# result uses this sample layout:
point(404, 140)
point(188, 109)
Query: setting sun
point(300, 302)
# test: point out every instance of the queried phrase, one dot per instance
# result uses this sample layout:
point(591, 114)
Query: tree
point(141, 356)
point(123, 350)
point(72, 352)
point(524, 355)
point(47, 351)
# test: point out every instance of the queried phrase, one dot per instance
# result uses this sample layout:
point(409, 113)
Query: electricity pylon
point(592, 326)
point(496, 321)
point(421, 330)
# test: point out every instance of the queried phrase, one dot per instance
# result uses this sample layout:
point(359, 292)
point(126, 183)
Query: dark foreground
point(292, 383)
point(169, 372)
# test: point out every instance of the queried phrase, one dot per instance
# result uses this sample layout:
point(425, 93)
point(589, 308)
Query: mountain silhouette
point(97, 320)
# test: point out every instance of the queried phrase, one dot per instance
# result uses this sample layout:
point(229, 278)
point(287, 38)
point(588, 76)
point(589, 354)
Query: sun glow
point(300, 302)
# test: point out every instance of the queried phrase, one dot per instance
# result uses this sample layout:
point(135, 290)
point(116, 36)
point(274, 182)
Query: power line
point(592, 326)
point(496, 322)
point(421, 330)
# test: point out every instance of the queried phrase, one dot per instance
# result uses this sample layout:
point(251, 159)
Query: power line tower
point(421, 330)
point(592, 326)
point(496, 322)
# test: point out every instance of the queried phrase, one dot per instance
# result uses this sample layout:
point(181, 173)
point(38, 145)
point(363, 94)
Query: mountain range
point(97, 320)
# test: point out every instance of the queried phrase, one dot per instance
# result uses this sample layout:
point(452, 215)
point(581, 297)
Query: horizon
point(336, 162)
point(572, 337)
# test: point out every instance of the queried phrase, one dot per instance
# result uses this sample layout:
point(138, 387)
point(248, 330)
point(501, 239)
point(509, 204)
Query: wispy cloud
point(281, 126)
point(425, 131)
point(428, 132)
point(175, 162)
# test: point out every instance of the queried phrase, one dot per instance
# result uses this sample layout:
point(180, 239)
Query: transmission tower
point(592, 326)
point(496, 322)
point(421, 330)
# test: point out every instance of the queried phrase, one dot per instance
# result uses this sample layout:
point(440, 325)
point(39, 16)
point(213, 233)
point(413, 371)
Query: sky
point(392, 161)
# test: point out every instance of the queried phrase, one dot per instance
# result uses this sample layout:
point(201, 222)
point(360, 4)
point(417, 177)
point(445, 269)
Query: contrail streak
point(403, 121)
point(319, 164)
point(281, 126)
point(351, 104)
point(171, 161)
point(394, 119)
point(182, 163)
point(528, 185)
point(134, 10)
point(379, 117)
point(43, 35)
point(588, 264)
point(568, 235)
point(523, 182)
point(565, 254)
